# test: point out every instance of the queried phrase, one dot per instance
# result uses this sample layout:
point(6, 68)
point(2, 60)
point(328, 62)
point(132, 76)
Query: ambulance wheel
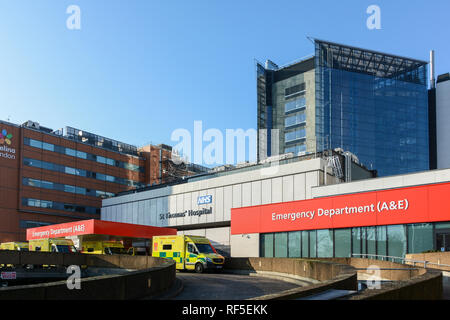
point(199, 268)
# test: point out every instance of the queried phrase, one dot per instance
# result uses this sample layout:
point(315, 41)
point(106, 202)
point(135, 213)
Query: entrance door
point(443, 241)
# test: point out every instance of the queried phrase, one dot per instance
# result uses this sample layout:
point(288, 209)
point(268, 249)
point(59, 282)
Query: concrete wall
point(331, 275)
point(438, 260)
point(408, 283)
point(340, 273)
point(153, 276)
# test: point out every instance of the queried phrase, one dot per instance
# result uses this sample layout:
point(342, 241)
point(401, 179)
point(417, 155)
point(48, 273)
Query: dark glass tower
point(372, 104)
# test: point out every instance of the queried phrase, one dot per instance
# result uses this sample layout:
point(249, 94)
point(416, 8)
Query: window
point(191, 248)
point(297, 104)
point(69, 188)
point(420, 237)
point(80, 190)
point(168, 247)
point(46, 204)
point(78, 172)
point(324, 243)
point(267, 245)
point(371, 240)
point(70, 170)
point(26, 224)
point(294, 244)
point(48, 146)
point(101, 159)
point(81, 155)
point(36, 144)
point(59, 206)
point(294, 135)
point(295, 119)
point(381, 241)
point(110, 162)
point(305, 244)
point(71, 152)
point(356, 241)
point(297, 149)
point(396, 240)
point(312, 244)
point(69, 207)
point(294, 90)
point(281, 245)
point(343, 243)
point(47, 185)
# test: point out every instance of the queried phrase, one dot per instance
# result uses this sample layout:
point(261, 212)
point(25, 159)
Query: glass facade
point(392, 241)
point(373, 105)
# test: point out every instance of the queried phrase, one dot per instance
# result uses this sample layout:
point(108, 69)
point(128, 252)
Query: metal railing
point(404, 260)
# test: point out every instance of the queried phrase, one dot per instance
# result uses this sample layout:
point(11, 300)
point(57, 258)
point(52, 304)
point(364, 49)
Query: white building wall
point(400, 181)
point(442, 124)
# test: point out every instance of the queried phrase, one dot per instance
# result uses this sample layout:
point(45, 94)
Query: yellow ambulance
point(53, 245)
point(103, 247)
point(189, 252)
point(15, 246)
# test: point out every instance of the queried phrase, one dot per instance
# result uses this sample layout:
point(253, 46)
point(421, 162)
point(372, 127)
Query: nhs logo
point(204, 199)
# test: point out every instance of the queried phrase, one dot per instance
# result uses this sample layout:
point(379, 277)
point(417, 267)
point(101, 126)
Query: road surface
point(222, 286)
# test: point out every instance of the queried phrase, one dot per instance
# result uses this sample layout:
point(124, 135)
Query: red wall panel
point(418, 204)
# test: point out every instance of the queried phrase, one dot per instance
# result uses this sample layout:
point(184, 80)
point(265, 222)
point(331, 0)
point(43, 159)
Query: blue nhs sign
point(204, 199)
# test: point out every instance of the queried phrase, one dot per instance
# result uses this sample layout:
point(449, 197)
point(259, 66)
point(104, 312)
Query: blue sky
point(139, 69)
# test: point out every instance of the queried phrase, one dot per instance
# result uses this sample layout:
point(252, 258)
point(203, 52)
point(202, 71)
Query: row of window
point(296, 104)
point(294, 90)
point(392, 240)
point(65, 188)
point(81, 154)
point(59, 206)
point(78, 172)
point(297, 149)
point(295, 135)
point(27, 224)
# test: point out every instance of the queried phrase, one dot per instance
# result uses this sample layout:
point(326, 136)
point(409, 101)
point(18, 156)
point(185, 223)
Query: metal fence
point(403, 260)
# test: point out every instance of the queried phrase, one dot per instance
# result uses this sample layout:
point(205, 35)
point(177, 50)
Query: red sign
point(97, 227)
point(419, 204)
point(8, 275)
